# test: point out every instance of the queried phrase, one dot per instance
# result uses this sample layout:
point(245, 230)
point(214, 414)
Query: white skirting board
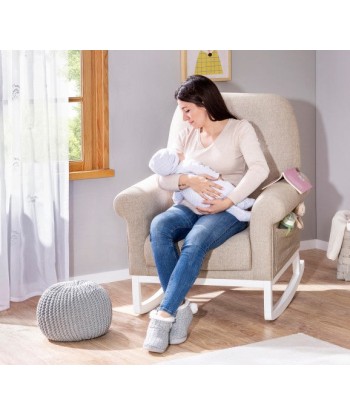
point(104, 277)
point(123, 274)
point(313, 244)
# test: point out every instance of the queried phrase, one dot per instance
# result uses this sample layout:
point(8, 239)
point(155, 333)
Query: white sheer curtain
point(34, 170)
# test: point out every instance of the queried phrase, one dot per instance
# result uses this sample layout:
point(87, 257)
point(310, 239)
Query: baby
point(167, 161)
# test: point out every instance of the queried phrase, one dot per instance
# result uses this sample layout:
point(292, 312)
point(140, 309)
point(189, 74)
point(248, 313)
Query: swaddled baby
point(167, 161)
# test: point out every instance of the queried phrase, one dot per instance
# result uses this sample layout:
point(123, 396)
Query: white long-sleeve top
point(235, 154)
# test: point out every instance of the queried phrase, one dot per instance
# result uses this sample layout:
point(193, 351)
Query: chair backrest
point(274, 121)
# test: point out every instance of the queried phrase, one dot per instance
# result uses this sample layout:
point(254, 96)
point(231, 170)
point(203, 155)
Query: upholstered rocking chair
point(256, 257)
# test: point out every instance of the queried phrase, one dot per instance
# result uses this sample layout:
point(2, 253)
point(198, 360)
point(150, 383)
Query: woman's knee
point(162, 226)
point(175, 222)
point(158, 225)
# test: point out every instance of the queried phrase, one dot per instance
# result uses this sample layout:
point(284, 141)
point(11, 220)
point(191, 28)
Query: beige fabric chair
point(256, 257)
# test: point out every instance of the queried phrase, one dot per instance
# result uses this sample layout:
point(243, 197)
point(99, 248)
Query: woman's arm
point(203, 185)
point(215, 205)
point(201, 182)
point(256, 173)
point(258, 169)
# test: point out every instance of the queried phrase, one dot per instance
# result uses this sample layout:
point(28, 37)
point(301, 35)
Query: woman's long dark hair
point(203, 92)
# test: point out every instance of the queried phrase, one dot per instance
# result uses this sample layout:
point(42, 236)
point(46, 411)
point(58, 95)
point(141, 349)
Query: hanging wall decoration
point(215, 64)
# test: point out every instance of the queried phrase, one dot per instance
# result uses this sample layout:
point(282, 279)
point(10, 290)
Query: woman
point(229, 146)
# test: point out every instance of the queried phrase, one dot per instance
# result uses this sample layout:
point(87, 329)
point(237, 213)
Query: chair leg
point(271, 311)
point(142, 307)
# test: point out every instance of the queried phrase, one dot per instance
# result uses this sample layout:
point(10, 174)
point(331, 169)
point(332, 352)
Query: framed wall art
point(215, 64)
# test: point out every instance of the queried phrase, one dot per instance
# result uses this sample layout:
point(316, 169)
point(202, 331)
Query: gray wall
point(333, 137)
point(141, 89)
point(141, 103)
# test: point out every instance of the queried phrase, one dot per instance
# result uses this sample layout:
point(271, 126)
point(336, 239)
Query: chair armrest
point(138, 205)
point(271, 206)
point(274, 203)
point(144, 198)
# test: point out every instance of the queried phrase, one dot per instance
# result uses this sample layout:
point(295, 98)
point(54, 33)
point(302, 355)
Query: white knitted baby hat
point(164, 162)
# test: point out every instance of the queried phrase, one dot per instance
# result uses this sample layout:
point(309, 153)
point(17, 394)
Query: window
point(89, 114)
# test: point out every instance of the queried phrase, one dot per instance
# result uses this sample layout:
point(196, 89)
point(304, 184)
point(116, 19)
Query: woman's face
point(196, 116)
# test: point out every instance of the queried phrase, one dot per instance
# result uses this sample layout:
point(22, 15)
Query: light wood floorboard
point(226, 318)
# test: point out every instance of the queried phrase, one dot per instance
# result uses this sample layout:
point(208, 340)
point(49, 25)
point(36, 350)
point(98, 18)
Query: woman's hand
point(215, 206)
point(204, 185)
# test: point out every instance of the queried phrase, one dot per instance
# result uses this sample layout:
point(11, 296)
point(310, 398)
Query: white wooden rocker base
point(271, 311)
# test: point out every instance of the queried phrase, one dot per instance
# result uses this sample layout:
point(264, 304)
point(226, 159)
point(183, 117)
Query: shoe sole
point(178, 341)
point(151, 349)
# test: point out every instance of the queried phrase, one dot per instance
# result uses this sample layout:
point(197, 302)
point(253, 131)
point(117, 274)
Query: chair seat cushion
point(224, 258)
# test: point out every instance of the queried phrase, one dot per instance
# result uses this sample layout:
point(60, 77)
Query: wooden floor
point(226, 318)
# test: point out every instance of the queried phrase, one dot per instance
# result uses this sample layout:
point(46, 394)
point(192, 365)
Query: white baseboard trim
point(104, 277)
point(313, 244)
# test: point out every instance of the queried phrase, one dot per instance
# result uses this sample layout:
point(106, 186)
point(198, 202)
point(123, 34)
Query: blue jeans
point(201, 233)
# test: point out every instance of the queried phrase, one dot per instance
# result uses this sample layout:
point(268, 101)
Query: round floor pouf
point(74, 311)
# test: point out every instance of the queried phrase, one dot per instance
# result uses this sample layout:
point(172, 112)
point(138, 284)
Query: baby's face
point(181, 156)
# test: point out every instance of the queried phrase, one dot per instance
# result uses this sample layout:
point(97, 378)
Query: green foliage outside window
point(74, 78)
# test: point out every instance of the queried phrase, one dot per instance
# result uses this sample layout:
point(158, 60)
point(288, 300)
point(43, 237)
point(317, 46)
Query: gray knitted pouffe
point(74, 311)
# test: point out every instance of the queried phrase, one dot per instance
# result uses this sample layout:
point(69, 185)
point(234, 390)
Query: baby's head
point(164, 161)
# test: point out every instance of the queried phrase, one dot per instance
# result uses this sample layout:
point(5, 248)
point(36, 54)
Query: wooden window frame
point(95, 111)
